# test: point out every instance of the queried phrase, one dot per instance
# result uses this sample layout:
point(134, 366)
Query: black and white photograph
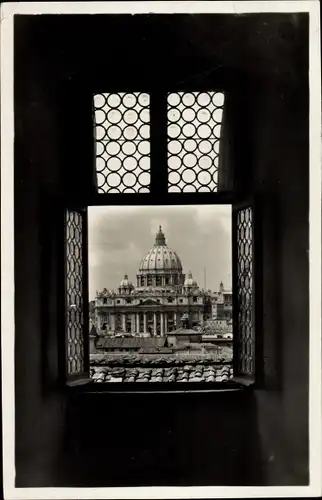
point(157, 320)
point(161, 248)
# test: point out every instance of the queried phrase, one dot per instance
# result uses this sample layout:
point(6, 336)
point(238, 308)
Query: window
point(134, 133)
point(244, 344)
point(75, 292)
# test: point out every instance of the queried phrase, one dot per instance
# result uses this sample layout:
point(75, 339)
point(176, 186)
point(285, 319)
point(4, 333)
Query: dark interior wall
point(39, 407)
point(161, 439)
point(281, 154)
point(188, 439)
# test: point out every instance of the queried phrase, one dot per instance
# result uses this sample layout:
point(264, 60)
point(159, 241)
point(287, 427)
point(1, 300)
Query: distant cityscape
point(161, 318)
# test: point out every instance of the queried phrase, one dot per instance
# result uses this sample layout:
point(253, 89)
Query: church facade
point(162, 299)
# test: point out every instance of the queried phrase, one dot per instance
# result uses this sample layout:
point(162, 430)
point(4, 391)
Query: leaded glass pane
point(122, 135)
point(74, 292)
point(244, 269)
point(194, 127)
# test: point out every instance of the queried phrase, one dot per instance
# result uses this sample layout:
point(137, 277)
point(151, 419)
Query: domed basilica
point(162, 300)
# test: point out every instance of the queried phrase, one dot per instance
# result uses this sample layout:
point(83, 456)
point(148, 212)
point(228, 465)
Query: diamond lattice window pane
point(74, 292)
point(194, 126)
point(244, 291)
point(122, 134)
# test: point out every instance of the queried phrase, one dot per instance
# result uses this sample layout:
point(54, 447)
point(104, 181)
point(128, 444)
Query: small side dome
point(190, 281)
point(125, 283)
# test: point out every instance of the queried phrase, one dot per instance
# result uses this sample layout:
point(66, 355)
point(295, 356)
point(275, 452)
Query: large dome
point(161, 257)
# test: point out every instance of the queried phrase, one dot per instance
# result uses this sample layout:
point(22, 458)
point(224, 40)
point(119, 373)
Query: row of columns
point(160, 280)
point(136, 323)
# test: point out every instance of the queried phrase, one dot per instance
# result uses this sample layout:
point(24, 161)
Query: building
point(129, 344)
point(162, 299)
point(92, 316)
point(222, 304)
point(184, 335)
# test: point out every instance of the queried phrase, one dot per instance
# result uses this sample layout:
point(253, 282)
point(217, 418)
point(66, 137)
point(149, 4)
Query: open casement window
point(155, 148)
point(76, 296)
point(243, 292)
point(246, 298)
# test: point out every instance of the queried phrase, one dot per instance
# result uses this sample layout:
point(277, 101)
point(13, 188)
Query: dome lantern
point(160, 238)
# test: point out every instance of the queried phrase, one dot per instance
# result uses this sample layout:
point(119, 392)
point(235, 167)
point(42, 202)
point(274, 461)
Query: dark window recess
point(104, 301)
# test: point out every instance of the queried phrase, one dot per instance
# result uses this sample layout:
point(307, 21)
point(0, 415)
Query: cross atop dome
point(160, 238)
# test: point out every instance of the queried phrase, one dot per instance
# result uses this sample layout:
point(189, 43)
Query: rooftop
point(129, 342)
point(184, 331)
point(156, 350)
point(128, 359)
point(186, 373)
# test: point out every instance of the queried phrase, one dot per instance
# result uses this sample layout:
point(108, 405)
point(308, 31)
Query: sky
point(119, 237)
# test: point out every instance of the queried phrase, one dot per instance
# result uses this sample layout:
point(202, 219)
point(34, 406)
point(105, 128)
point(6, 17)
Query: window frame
point(82, 377)
point(159, 195)
point(256, 380)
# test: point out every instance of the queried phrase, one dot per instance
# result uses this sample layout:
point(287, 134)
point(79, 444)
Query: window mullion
point(158, 134)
